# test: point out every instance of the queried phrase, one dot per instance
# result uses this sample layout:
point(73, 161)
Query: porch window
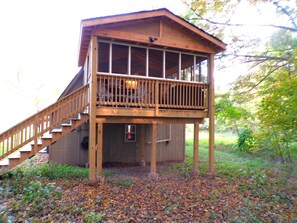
point(201, 70)
point(155, 63)
point(130, 133)
point(187, 69)
point(120, 55)
point(172, 65)
point(103, 65)
point(138, 61)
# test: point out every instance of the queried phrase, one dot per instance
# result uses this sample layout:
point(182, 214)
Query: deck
point(139, 96)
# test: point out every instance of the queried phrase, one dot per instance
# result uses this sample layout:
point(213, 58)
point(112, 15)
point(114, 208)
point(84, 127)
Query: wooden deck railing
point(134, 91)
point(44, 121)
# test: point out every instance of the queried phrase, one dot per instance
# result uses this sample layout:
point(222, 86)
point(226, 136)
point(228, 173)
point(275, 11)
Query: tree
point(230, 114)
point(269, 87)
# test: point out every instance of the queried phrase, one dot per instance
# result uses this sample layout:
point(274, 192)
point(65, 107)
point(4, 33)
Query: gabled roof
point(88, 25)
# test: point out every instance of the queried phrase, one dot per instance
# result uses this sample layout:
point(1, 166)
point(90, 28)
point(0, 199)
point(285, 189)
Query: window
point(103, 64)
point(187, 62)
point(155, 63)
point(201, 69)
point(172, 65)
point(129, 59)
point(130, 133)
point(120, 55)
point(138, 61)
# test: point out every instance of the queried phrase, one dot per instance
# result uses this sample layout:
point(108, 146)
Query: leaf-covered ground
point(128, 196)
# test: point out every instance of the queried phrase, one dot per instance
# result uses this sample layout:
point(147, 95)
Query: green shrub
point(51, 171)
point(246, 142)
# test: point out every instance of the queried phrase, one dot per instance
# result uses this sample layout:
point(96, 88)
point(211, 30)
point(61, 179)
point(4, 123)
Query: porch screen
point(120, 55)
point(103, 57)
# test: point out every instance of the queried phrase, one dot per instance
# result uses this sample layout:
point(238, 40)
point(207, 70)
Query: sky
point(39, 48)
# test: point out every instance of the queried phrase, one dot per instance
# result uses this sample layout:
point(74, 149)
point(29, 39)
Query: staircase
point(27, 138)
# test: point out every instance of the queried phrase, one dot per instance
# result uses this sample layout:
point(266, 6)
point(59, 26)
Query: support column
point(142, 145)
point(99, 150)
point(196, 149)
point(92, 110)
point(211, 110)
point(153, 174)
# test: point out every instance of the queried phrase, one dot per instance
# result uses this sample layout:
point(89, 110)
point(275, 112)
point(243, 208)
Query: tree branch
point(260, 57)
point(267, 75)
point(286, 13)
point(239, 24)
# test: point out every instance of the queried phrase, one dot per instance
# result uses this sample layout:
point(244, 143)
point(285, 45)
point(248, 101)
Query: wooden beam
point(92, 120)
point(196, 149)
point(99, 149)
point(150, 112)
point(211, 110)
point(148, 120)
point(153, 174)
point(142, 145)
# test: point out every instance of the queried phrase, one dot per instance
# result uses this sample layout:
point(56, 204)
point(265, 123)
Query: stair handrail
point(51, 117)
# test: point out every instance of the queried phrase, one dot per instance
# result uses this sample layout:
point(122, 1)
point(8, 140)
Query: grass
point(51, 171)
point(228, 161)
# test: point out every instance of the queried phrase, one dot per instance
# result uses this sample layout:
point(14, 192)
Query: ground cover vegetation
point(245, 189)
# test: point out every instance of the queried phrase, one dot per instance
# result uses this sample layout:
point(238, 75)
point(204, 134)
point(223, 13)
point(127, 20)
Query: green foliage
point(52, 171)
point(230, 113)
point(277, 114)
point(92, 217)
point(24, 193)
point(246, 141)
point(122, 182)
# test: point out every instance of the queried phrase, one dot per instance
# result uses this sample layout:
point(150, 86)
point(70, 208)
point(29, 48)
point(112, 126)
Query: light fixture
point(153, 39)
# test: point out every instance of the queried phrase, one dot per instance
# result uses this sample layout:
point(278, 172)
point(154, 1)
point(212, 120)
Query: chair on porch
point(103, 95)
point(138, 95)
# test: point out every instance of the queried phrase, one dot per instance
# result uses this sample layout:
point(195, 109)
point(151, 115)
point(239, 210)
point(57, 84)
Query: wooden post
point(142, 145)
point(157, 98)
point(92, 105)
point(99, 150)
point(211, 109)
point(196, 149)
point(153, 174)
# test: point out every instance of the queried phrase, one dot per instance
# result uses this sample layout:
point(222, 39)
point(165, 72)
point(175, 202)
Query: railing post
point(35, 126)
point(157, 97)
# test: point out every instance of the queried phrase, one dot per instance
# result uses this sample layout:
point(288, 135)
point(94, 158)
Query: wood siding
point(68, 150)
point(171, 150)
point(115, 150)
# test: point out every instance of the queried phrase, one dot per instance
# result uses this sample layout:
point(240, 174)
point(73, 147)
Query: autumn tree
point(268, 87)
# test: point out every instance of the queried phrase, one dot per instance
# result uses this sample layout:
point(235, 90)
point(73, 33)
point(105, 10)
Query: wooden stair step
point(4, 162)
point(26, 148)
point(66, 125)
point(57, 131)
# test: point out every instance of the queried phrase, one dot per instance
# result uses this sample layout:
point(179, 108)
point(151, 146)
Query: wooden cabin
point(144, 76)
